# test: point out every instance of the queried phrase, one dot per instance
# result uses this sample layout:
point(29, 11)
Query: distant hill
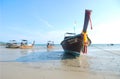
point(2, 43)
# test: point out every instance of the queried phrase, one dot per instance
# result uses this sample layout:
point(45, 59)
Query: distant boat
point(73, 43)
point(12, 44)
point(111, 44)
point(50, 44)
point(25, 45)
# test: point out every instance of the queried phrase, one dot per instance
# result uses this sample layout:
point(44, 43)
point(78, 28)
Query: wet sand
point(41, 64)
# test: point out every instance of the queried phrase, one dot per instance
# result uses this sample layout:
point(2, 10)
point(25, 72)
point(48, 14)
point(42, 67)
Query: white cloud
point(46, 23)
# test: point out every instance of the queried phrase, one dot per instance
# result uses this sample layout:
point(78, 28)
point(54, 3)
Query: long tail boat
point(25, 45)
point(12, 44)
point(50, 44)
point(75, 43)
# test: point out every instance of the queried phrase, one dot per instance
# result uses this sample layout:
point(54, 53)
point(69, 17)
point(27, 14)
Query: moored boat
point(12, 44)
point(50, 44)
point(75, 43)
point(25, 45)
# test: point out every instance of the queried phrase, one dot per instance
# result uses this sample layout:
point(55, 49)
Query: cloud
point(46, 23)
point(38, 18)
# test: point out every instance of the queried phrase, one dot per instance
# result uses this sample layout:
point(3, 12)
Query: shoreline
point(97, 64)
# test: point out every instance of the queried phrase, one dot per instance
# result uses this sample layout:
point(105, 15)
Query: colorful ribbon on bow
point(85, 42)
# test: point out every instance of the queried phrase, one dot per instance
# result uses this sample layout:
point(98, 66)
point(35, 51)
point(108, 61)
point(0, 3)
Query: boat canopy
point(69, 34)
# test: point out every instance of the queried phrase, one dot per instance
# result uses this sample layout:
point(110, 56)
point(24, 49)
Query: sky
point(44, 20)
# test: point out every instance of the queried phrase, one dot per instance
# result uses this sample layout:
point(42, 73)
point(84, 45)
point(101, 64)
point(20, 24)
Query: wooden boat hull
point(73, 45)
point(8, 45)
point(26, 47)
point(12, 46)
point(50, 47)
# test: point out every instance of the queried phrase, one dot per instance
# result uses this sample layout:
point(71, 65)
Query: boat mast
point(85, 37)
point(86, 20)
point(75, 26)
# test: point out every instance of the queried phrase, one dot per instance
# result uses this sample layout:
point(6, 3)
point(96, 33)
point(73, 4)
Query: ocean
point(100, 57)
point(40, 52)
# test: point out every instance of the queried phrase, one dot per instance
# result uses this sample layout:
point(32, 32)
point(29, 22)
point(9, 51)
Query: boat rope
point(90, 21)
point(85, 42)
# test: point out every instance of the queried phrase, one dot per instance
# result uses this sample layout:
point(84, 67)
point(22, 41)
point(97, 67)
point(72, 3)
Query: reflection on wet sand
point(70, 60)
point(25, 51)
point(73, 63)
point(58, 60)
point(45, 59)
point(49, 49)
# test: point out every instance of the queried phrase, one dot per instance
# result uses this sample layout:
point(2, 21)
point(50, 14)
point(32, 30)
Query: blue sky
point(43, 20)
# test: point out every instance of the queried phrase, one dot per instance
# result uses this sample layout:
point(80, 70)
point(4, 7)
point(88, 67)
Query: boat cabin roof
point(24, 40)
point(70, 33)
point(67, 34)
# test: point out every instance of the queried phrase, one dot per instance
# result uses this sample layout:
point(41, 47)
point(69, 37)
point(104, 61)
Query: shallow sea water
point(100, 58)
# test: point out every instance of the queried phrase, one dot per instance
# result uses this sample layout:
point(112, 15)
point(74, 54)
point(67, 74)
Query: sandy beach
point(35, 63)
